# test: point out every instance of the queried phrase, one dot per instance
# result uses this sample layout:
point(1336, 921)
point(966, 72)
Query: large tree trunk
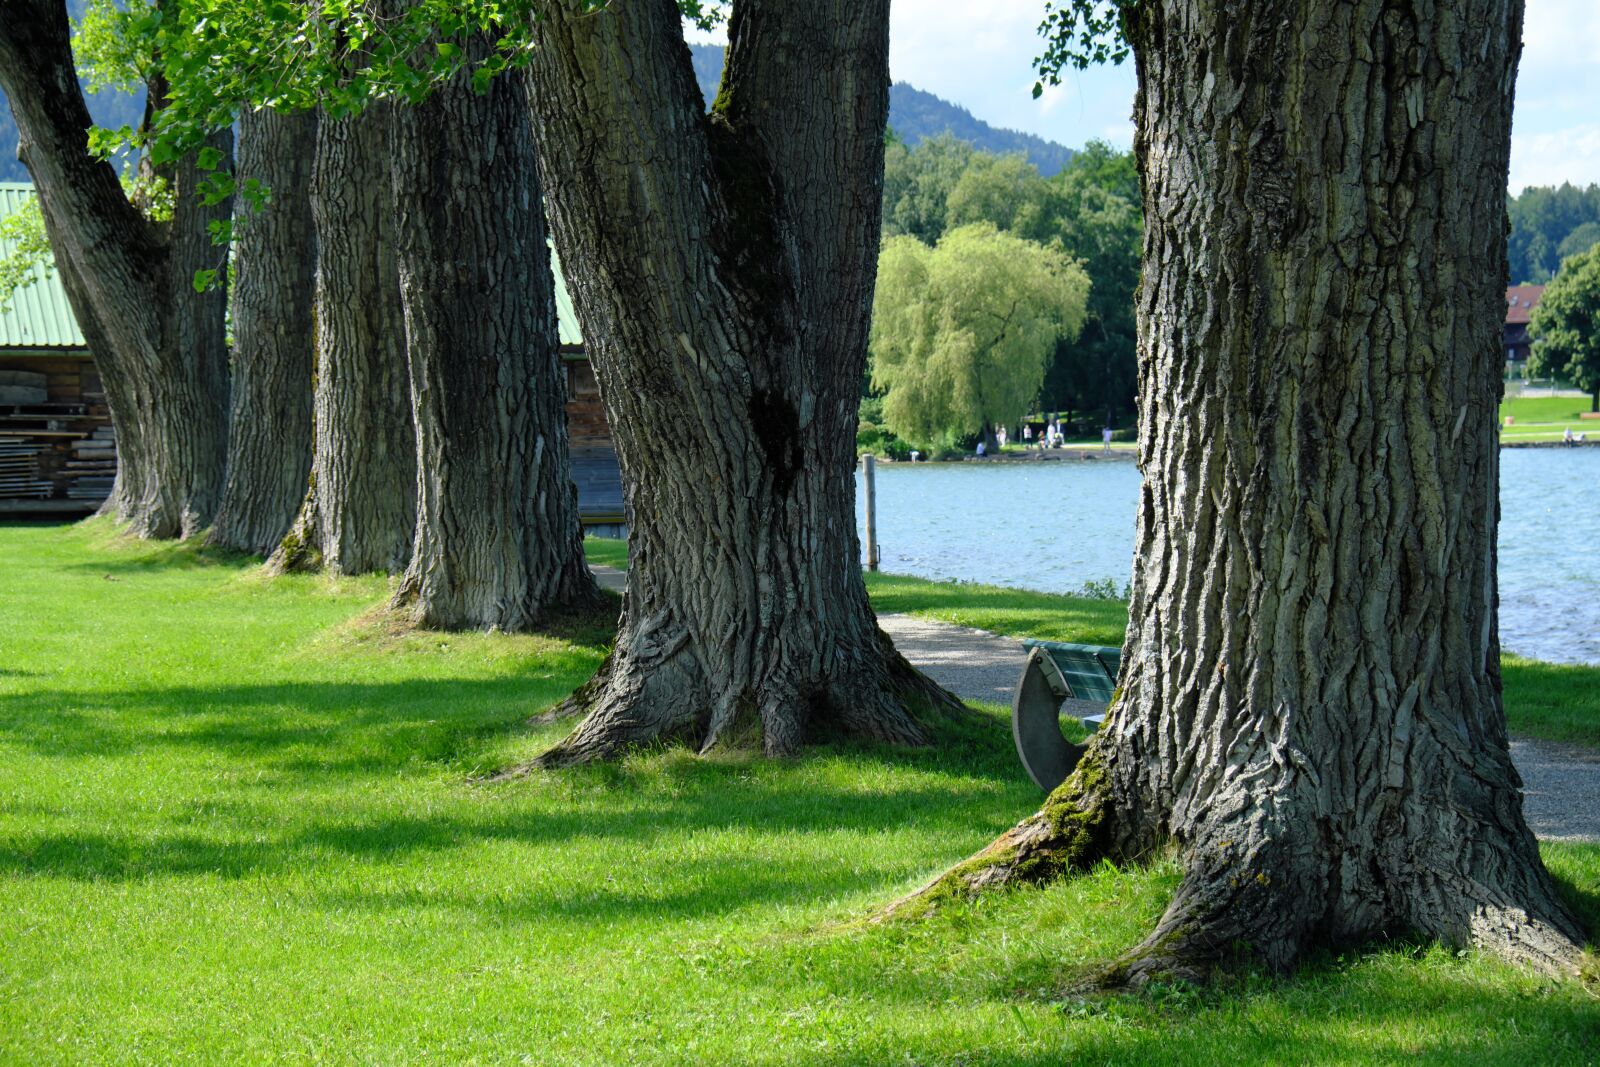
point(269, 439)
point(722, 268)
point(360, 512)
point(160, 346)
point(498, 539)
point(1310, 702)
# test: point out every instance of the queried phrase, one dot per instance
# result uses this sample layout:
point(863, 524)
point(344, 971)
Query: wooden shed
point(57, 449)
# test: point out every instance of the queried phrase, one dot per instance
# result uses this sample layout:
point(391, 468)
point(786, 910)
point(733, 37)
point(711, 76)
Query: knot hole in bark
point(776, 425)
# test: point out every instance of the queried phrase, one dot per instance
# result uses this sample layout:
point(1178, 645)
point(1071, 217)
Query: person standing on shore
point(1105, 440)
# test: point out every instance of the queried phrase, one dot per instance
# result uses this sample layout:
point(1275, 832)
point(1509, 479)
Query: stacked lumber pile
point(19, 471)
point(93, 466)
point(57, 448)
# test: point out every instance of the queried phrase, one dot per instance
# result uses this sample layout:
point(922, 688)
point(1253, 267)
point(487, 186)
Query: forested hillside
point(914, 115)
point(1549, 224)
point(110, 109)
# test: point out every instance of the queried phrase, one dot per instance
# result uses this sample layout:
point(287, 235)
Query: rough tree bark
point(722, 268)
point(160, 346)
point(498, 539)
point(1310, 702)
point(269, 433)
point(360, 512)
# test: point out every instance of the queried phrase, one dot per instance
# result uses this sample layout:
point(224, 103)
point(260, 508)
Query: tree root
point(1069, 834)
point(652, 690)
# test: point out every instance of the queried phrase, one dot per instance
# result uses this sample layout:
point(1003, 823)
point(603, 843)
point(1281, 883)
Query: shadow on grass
point(356, 739)
point(1335, 1019)
point(357, 725)
point(116, 553)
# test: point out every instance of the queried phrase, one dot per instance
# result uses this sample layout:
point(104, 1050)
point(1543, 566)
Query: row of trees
point(402, 268)
point(1310, 704)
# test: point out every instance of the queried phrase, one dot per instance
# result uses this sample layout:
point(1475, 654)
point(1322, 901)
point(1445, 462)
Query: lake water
point(1056, 526)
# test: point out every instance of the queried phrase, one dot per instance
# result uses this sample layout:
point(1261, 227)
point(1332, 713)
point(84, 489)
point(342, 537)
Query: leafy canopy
point(1091, 210)
point(1565, 325)
point(1078, 34)
point(962, 331)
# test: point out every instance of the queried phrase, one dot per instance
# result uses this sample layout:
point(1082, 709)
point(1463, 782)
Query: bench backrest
point(1090, 671)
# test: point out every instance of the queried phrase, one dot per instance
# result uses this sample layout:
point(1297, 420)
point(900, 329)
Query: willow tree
point(722, 266)
point(1310, 703)
point(158, 344)
point(962, 332)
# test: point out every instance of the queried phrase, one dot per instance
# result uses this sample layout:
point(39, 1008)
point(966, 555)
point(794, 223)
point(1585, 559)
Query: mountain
point(110, 109)
point(914, 114)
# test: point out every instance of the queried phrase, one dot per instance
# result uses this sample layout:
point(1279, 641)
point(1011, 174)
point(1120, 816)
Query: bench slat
point(1090, 671)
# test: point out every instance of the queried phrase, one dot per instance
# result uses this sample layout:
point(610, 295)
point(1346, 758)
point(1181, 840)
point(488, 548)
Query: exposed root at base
point(1069, 834)
point(626, 705)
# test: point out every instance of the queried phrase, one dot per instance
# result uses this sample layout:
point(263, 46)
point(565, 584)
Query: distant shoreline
point(1083, 455)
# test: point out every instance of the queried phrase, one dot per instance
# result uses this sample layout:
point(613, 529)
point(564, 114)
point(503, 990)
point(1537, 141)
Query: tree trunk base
point(299, 552)
point(654, 689)
point(1254, 899)
point(1068, 835)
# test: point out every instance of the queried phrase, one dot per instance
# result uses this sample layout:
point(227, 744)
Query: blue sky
point(980, 55)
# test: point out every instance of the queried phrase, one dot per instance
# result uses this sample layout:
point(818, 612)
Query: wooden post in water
point(869, 467)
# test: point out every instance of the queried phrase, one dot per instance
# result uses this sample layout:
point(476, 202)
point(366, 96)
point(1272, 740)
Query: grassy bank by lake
point(1543, 419)
point(239, 822)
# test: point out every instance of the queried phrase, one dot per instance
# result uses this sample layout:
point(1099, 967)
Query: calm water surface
point(1056, 526)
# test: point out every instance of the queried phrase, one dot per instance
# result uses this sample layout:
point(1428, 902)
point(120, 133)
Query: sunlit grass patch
point(243, 821)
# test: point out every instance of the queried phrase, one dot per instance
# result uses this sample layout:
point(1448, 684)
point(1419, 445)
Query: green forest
point(1548, 225)
point(1087, 216)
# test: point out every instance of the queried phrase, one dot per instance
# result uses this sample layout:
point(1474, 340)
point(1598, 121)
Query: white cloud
point(1567, 155)
point(1560, 33)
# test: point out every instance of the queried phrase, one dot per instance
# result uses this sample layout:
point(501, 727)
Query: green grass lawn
point(1543, 418)
point(239, 823)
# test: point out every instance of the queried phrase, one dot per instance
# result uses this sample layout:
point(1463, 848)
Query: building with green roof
point(57, 448)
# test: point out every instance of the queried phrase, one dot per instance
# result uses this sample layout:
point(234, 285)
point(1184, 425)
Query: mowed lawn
point(242, 821)
point(1544, 418)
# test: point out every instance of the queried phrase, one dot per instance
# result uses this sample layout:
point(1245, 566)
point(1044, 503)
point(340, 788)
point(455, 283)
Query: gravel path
point(1561, 792)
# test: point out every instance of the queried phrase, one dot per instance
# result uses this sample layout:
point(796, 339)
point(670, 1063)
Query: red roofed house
point(1520, 302)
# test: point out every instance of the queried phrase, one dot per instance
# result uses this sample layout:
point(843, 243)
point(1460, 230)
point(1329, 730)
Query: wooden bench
point(1057, 671)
